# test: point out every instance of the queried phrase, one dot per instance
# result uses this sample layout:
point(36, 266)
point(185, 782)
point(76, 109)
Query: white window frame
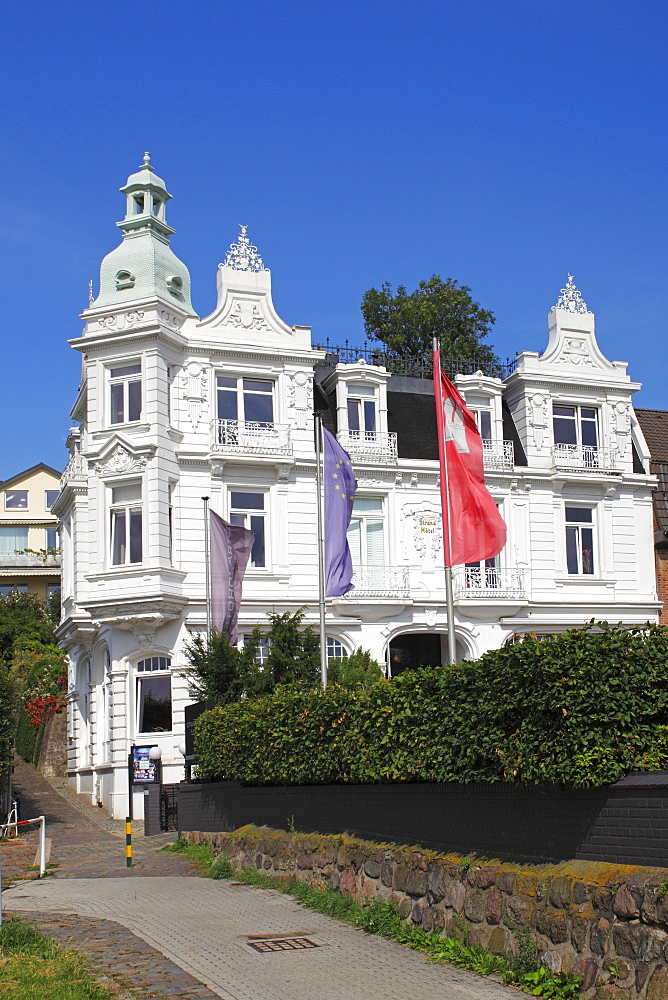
point(363, 518)
point(16, 527)
point(125, 381)
point(361, 393)
point(129, 507)
point(46, 498)
point(578, 526)
point(18, 506)
point(160, 671)
point(247, 513)
point(263, 649)
point(332, 642)
point(240, 396)
point(578, 418)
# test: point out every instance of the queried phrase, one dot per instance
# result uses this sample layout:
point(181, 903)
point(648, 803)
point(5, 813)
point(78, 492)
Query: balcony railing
point(488, 582)
point(250, 437)
point(498, 455)
point(585, 459)
point(30, 560)
point(380, 582)
point(369, 446)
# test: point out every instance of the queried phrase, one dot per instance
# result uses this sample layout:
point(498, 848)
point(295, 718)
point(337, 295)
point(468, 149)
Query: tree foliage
point(23, 617)
point(406, 322)
point(356, 670)
point(583, 710)
point(224, 674)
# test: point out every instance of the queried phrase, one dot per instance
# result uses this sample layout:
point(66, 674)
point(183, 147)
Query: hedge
point(584, 709)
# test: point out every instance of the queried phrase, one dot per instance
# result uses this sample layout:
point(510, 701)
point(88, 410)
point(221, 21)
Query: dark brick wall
point(625, 823)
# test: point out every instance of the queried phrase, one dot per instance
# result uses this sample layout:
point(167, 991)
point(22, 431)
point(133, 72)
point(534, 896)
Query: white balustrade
point(250, 437)
point(369, 446)
point(76, 468)
point(493, 582)
point(498, 455)
point(381, 581)
point(577, 458)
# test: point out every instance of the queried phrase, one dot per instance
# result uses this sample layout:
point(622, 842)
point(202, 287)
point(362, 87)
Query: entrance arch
point(412, 650)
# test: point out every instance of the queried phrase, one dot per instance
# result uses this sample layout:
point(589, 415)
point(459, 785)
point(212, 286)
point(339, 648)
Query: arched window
point(335, 648)
point(154, 695)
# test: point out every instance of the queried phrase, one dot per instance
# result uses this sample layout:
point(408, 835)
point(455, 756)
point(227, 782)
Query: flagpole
point(208, 568)
point(321, 547)
point(447, 539)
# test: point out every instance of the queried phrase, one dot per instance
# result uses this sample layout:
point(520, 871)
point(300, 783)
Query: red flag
point(473, 529)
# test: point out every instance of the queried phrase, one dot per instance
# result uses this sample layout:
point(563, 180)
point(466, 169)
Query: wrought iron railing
point(498, 455)
point(416, 367)
point(585, 459)
point(250, 437)
point(369, 446)
point(381, 581)
point(476, 582)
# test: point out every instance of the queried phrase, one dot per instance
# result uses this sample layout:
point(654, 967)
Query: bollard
point(128, 842)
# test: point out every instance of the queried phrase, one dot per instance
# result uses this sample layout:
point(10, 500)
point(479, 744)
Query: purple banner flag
point(230, 546)
point(340, 489)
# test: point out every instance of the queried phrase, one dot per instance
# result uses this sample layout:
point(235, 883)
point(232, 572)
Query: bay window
point(126, 524)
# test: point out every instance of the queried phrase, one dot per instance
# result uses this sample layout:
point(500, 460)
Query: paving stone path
point(160, 930)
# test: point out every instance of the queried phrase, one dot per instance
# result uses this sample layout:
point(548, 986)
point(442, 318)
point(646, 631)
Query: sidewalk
point(163, 931)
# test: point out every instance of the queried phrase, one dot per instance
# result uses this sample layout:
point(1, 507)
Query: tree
point(354, 671)
point(23, 617)
point(294, 654)
point(406, 323)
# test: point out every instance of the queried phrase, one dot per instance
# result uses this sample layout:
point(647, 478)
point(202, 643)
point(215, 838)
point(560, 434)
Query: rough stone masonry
point(606, 923)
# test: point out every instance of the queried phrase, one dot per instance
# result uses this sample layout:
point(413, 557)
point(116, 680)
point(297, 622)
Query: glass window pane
point(587, 539)
point(52, 538)
point(259, 408)
point(51, 497)
point(360, 389)
point(581, 515)
point(118, 537)
point(565, 431)
point(587, 413)
point(251, 385)
point(572, 549)
point(227, 404)
point(257, 552)
point(369, 415)
point(589, 433)
point(247, 501)
point(375, 551)
point(355, 541)
point(224, 382)
point(117, 403)
point(353, 414)
point(126, 494)
point(155, 704)
point(16, 499)
point(134, 400)
point(367, 505)
point(564, 411)
point(485, 424)
point(13, 539)
point(126, 370)
point(135, 535)
point(238, 519)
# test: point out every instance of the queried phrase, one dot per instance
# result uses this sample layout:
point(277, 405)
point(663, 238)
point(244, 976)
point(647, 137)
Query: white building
point(173, 408)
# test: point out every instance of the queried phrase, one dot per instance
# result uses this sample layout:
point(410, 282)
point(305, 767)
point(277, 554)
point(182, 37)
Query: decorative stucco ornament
point(571, 298)
point(120, 461)
point(243, 256)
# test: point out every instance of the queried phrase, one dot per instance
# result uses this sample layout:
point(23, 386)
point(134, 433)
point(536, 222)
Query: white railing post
point(42, 846)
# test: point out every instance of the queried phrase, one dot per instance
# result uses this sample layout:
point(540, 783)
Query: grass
point(33, 967)
point(524, 970)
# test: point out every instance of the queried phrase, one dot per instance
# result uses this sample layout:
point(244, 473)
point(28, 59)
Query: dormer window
point(124, 279)
point(362, 413)
point(175, 285)
point(575, 425)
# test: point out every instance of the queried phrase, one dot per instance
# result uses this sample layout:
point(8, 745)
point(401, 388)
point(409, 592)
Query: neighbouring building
point(173, 408)
point(654, 425)
point(29, 543)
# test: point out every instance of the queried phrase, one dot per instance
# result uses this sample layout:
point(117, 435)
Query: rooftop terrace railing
point(416, 367)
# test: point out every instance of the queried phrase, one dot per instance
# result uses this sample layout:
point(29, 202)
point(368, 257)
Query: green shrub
point(582, 710)
point(356, 670)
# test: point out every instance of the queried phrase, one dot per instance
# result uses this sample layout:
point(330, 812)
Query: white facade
point(173, 408)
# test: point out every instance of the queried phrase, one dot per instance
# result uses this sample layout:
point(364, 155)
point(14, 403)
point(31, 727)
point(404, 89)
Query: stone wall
point(606, 923)
point(53, 753)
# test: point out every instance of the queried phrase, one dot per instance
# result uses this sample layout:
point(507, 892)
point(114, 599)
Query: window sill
point(582, 580)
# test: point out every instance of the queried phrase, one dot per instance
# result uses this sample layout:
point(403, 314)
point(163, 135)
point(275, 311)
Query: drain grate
point(283, 944)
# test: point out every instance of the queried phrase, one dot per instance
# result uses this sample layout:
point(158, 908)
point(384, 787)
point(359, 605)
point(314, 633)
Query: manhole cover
point(283, 944)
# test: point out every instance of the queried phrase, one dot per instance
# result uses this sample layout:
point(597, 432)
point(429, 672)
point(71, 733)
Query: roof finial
point(147, 162)
point(91, 297)
point(243, 256)
point(571, 298)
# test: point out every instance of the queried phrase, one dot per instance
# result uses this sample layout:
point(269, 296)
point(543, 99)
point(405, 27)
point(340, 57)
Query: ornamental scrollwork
point(571, 298)
point(243, 255)
point(120, 461)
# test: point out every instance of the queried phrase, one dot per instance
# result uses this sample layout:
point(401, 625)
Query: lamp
point(182, 748)
point(155, 753)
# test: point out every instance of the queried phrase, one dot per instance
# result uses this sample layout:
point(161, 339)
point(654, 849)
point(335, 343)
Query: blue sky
point(498, 142)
